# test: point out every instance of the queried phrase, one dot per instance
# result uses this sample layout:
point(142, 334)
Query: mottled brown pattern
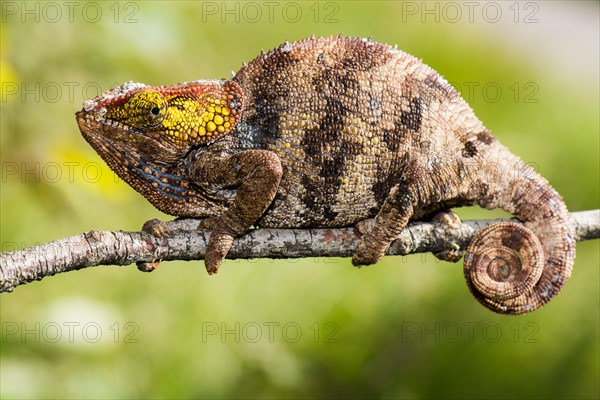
point(327, 132)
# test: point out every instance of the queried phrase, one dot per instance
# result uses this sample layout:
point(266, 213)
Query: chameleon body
point(332, 132)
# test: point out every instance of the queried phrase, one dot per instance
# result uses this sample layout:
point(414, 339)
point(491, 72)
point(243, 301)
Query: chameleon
point(335, 132)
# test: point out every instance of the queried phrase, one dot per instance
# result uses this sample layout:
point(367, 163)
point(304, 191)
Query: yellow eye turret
point(146, 109)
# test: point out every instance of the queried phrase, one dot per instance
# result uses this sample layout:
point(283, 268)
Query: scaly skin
point(328, 132)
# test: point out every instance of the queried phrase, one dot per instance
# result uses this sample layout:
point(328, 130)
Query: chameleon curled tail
point(512, 268)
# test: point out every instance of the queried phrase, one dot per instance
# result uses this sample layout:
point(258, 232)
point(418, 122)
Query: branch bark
point(96, 248)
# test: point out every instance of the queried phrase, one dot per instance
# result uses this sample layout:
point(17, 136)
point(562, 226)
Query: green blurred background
point(405, 328)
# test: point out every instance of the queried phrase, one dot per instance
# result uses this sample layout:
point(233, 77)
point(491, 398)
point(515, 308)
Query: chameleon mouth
point(95, 126)
point(95, 122)
point(97, 130)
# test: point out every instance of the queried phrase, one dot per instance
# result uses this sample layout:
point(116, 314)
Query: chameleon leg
point(390, 221)
point(256, 175)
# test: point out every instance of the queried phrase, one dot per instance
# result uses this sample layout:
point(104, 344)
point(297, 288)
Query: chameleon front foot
point(156, 228)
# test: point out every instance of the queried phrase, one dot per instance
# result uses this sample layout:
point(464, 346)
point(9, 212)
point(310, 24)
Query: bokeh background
point(405, 328)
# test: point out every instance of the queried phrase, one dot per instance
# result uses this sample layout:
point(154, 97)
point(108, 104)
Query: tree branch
point(186, 243)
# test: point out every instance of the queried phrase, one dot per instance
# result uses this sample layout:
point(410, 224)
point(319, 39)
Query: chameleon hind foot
point(449, 218)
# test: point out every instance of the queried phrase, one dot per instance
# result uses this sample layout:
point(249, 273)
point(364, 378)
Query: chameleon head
point(160, 122)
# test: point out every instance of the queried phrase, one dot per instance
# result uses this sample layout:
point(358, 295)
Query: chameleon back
point(345, 116)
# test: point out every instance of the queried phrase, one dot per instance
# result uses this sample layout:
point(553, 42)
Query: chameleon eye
point(146, 109)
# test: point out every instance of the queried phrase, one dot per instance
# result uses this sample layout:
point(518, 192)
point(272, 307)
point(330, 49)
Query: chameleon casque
point(332, 132)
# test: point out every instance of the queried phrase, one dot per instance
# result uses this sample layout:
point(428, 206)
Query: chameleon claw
point(366, 254)
point(447, 217)
point(211, 269)
point(147, 266)
point(453, 255)
point(157, 228)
